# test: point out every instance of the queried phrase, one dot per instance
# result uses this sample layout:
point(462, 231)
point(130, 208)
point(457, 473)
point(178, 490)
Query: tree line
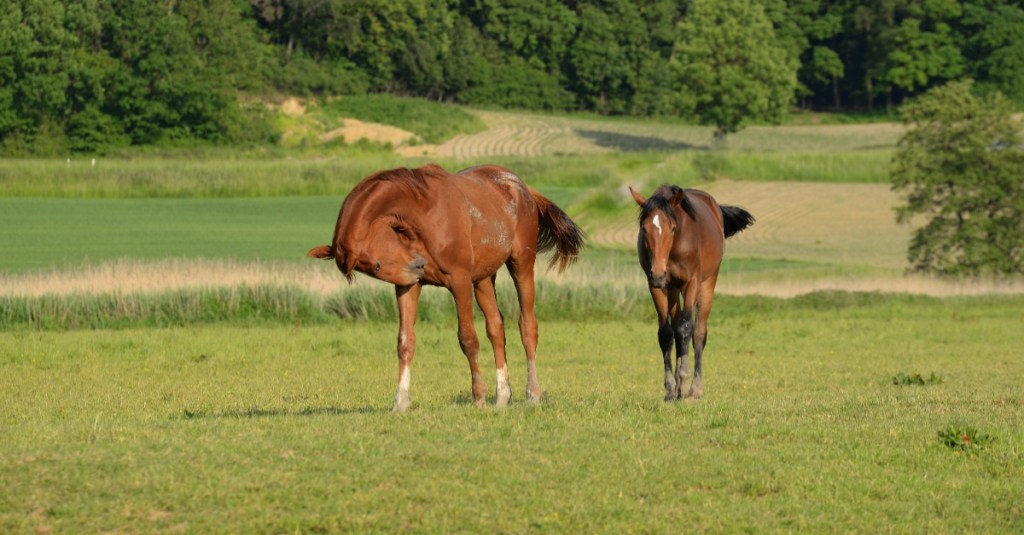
point(80, 75)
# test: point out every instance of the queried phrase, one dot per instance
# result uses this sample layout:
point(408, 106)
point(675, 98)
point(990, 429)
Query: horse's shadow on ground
point(630, 143)
point(258, 412)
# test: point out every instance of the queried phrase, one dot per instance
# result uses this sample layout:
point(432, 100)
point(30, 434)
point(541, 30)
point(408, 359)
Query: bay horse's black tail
point(735, 219)
point(557, 231)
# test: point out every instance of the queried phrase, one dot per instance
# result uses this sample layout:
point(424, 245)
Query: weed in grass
point(904, 379)
point(963, 438)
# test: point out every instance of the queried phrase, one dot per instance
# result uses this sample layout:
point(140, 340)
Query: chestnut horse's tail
point(735, 219)
point(557, 231)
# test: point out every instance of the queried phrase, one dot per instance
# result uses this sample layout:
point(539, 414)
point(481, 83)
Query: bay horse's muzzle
point(658, 281)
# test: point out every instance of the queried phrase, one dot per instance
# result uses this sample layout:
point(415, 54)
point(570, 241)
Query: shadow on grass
point(630, 143)
point(257, 412)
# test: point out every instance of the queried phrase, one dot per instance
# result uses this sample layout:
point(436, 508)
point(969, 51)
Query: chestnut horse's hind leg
point(408, 303)
point(462, 291)
point(488, 301)
point(521, 270)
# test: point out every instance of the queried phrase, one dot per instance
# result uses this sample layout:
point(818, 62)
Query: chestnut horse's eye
point(400, 230)
point(376, 267)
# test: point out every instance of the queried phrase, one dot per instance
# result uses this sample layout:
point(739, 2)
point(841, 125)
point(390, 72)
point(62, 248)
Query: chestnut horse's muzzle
point(417, 265)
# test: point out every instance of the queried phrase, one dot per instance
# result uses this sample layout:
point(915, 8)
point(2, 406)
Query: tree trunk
point(835, 93)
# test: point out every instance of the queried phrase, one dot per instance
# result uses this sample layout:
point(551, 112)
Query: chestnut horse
point(425, 226)
point(680, 245)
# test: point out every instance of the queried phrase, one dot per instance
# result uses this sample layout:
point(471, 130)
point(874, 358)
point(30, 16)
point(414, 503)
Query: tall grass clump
point(285, 304)
point(433, 122)
point(243, 304)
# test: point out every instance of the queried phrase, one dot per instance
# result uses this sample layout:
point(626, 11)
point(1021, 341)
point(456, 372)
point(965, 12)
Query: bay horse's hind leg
point(700, 336)
point(521, 270)
point(488, 301)
point(408, 303)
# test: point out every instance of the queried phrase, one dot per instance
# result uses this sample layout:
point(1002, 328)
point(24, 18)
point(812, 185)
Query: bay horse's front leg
point(462, 291)
point(661, 306)
point(408, 304)
point(700, 336)
point(682, 324)
point(488, 301)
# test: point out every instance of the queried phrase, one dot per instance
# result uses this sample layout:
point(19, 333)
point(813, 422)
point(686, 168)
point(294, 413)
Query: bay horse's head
point(377, 233)
point(661, 219)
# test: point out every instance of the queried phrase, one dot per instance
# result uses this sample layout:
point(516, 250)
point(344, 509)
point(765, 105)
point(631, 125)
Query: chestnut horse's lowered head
point(425, 226)
point(377, 232)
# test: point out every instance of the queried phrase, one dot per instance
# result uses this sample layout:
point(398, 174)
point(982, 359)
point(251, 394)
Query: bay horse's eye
point(376, 267)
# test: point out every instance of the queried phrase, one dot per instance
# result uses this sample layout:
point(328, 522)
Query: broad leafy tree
point(994, 33)
point(923, 48)
point(731, 67)
point(959, 169)
point(35, 59)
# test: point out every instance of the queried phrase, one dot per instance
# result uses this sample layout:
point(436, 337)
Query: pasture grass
point(280, 428)
point(864, 167)
point(44, 233)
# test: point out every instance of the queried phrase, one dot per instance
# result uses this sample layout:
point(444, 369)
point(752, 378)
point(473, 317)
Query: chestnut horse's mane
point(662, 200)
point(413, 180)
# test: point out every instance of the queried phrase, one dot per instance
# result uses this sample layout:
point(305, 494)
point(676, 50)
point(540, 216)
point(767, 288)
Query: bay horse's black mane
point(662, 200)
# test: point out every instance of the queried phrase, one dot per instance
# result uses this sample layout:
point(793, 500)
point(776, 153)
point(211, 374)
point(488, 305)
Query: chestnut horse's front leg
point(462, 291)
point(408, 303)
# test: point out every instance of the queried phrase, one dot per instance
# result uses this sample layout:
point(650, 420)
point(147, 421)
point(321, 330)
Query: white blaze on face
point(657, 223)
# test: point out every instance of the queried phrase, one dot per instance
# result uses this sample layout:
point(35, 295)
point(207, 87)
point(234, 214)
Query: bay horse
point(426, 226)
point(680, 246)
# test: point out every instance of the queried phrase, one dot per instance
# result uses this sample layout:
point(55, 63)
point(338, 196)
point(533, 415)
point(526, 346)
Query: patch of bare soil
point(293, 107)
point(353, 130)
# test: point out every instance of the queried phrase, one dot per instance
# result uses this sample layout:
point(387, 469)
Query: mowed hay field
point(170, 363)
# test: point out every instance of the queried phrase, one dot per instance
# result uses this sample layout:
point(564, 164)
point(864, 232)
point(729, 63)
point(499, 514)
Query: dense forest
point(79, 75)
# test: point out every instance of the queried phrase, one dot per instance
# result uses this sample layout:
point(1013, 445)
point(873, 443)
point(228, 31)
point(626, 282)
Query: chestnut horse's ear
point(637, 197)
point(321, 251)
point(677, 199)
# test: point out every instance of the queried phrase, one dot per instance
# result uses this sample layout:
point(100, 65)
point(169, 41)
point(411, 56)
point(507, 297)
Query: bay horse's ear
point(637, 197)
point(677, 199)
point(322, 252)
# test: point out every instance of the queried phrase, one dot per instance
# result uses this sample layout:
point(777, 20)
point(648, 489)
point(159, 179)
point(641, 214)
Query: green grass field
point(170, 362)
point(279, 428)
